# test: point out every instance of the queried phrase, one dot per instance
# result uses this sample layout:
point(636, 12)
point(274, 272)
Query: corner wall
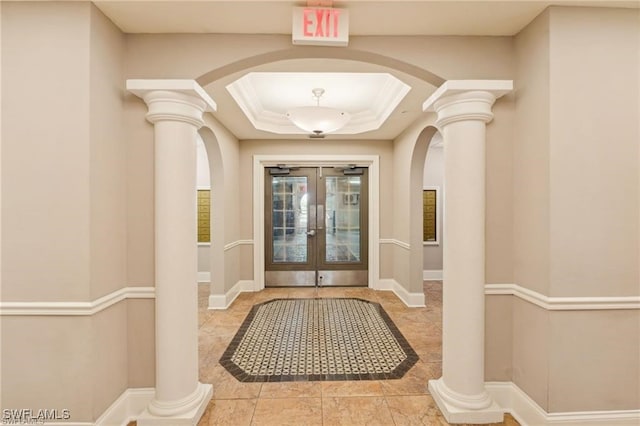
point(531, 184)
point(593, 203)
point(576, 209)
point(64, 218)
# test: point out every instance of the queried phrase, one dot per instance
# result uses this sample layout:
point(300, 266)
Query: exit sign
point(320, 26)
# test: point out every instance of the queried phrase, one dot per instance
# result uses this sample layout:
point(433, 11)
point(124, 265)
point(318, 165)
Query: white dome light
point(317, 119)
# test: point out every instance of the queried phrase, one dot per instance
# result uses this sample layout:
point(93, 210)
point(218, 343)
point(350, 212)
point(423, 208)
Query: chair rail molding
point(555, 303)
point(76, 308)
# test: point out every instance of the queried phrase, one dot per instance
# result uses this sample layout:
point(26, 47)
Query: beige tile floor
point(398, 402)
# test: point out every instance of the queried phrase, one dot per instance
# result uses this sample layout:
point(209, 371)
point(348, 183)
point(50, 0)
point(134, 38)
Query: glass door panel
point(290, 219)
point(316, 227)
point(342, 219)
point(343, 243)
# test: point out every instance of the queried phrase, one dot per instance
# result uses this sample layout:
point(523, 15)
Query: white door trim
point(262, 161)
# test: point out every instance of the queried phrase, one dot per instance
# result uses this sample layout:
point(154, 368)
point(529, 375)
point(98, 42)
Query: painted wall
point(576, 207)
point(108, 226)
point(203, 181)
point(593, 163)
point(64, 190)
point(54, 220)
point(224, 152)
point(531, 206)
point(593, 205)
point(434, 177)
point(51, 220)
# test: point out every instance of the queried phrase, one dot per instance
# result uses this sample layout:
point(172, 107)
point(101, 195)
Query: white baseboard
point(412, 300)
point(223, 301)
point(127, 407)
point(528, 413)
point(204, 277)
point(432, 275)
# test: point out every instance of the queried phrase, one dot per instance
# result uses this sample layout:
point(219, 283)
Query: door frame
point(372, 162)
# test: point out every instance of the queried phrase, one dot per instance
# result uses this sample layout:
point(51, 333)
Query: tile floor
point(403, 401)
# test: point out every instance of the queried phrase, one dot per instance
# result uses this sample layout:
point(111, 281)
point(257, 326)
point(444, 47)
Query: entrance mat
point(285, 340)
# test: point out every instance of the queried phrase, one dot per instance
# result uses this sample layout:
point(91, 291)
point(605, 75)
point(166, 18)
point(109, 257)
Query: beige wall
point(107, 157)
point(46, 201)
point(46, 172)
point(499, 198)
point(141, 343)
point(594, 205)
point(47, 362)
point(140, 193)
point(498, 364)
point(108, 192)
point(531, 239)
point(223, 153)
point(194, 55)
point(593, 153)
point(531, 157)
point(576, 206)
point(434, 177)
point(594, 360)
point(64, 190)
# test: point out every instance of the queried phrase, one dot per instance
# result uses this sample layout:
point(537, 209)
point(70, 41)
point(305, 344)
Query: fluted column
point(175, 107)
point(464, 108)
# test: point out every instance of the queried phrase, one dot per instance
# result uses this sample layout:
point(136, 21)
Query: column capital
point(458, 100)
point(173, 100)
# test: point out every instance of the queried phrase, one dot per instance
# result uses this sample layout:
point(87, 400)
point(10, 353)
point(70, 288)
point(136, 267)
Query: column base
point(492, 413)
point(187, 418)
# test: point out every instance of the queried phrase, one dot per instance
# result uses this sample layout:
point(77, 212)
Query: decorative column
point(464, 108)
point(175, 108)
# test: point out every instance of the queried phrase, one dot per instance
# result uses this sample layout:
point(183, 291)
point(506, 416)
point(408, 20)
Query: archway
point(418, 159)
point(463, 108)
point(300, 52)
point(217, 211)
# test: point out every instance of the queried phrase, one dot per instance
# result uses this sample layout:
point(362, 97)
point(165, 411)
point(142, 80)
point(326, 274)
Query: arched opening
point(217, 211)
point(418, 159)
point(300, 52)
point(432, 205)
point(463, 129)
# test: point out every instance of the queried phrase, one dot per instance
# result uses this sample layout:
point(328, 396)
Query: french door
point(316, 230)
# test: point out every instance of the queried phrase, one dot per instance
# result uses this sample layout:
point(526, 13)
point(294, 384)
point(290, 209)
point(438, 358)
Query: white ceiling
point(268, 90)
point(369, 98)
point(366, 17)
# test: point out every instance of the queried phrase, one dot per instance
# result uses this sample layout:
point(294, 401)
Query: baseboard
point(432, 275)
point(528, 413)
point(204, 277)
point(412, 300)
point(127, 407)
point(223, 301)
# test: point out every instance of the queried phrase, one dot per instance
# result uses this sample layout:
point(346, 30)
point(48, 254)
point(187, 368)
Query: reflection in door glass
point(342, 221)
point(289, 219)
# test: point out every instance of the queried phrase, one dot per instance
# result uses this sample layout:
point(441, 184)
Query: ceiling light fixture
point(318, 119)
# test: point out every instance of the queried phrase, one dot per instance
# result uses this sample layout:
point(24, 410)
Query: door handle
point(311, 233)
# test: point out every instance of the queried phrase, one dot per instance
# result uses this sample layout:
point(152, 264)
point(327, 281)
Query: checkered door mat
point(318, 339)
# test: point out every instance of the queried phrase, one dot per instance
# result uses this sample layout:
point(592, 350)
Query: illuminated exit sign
point(320, 26)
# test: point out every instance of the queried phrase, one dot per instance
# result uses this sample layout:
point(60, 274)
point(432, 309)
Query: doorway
point(316, 226)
